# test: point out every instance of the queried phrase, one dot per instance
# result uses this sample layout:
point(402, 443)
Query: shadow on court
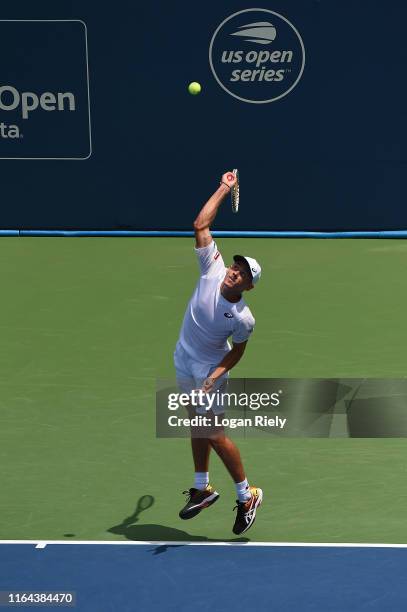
point(152, 532)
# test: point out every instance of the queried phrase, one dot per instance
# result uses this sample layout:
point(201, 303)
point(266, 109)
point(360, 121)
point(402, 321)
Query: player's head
point(242, 275)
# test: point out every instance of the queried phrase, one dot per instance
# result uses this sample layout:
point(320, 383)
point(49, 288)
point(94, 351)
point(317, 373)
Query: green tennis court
point(89, 324)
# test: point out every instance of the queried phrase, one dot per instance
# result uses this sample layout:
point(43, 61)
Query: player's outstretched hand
point(229, 179)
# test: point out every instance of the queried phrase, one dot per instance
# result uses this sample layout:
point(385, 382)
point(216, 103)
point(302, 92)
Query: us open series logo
point(44, 90)
point(257, 55)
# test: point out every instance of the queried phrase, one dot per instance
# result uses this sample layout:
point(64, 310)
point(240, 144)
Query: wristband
point(223, 183)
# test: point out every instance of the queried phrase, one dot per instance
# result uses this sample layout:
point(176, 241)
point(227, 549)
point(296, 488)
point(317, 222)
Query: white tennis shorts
point(191, 375)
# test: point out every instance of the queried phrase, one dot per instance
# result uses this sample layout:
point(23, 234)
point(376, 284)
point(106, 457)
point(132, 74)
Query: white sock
point(201, 480)
point(243, 490)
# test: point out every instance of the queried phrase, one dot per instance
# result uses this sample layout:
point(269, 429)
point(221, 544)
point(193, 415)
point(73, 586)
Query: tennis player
point(203, 357)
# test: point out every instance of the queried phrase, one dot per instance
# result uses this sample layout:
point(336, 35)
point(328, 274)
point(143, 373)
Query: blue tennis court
point(157, 576)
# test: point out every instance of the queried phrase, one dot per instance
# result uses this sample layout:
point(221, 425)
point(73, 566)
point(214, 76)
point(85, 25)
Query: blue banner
point(307, 99)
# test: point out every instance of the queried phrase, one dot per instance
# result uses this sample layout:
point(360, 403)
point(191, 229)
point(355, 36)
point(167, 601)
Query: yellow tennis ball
point(194, 88)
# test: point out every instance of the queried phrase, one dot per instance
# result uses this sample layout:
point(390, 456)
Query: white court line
point(44, 543)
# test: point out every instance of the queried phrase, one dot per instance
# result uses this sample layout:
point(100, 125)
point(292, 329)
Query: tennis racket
point(234, 192)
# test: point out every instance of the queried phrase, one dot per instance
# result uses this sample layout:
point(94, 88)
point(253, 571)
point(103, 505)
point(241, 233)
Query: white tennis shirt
point(210, 319)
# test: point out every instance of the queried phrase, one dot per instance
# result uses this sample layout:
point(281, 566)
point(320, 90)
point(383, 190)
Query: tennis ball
point(194, 88)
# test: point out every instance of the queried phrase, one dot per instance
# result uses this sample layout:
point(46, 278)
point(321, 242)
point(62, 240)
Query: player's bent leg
point(246, 508)
point(229, 455)
point(199, 498)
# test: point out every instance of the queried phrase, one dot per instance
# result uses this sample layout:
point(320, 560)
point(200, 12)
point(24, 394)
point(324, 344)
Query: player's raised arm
point(205, 218)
